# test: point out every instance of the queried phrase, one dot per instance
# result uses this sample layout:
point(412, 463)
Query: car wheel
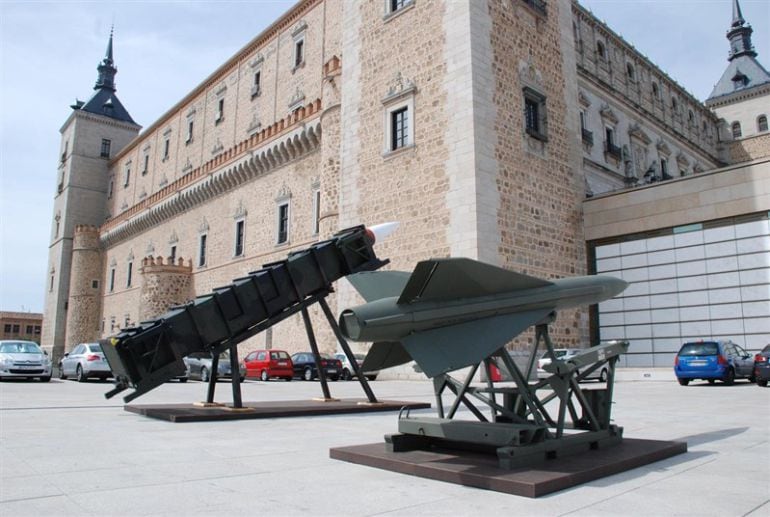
point(729, 377)
point(61, 373)
point(204, 374)
point(684, 382)
point(184, 379)
point(712, 381)
point(45, 379)
point(241, 378)
point(264, 377)
point(345, 374)
point(603, 375)
point(288, 379)
point(307, 374)
point(335, 378)
point(371, 377)
point(79, 375)
point(762, 382)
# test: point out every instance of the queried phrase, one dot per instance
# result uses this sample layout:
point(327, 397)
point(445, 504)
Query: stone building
point(21, 325)
point(481, 133)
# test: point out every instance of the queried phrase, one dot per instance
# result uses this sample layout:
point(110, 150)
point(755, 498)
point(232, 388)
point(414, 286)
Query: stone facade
point(21, 325)
point(751, 148)
point(85, 298)
point(300, 123)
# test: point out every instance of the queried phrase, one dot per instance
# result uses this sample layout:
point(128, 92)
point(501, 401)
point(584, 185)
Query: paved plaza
point(65, 450)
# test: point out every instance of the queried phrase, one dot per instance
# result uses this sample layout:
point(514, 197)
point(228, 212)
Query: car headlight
point(5, 362)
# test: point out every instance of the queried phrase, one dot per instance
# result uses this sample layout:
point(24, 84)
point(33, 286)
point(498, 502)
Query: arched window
point(600, 51)
point(691, 117)
point(630, 71)
point(762, 123)
point(737, 133)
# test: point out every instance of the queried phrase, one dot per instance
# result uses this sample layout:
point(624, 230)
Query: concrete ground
point(65, 450)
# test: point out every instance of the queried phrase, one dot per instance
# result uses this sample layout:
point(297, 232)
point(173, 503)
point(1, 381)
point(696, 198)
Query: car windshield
point(95, 348)
point(766, 349)
point(19, 347)
point(699, 349)
point(278, 355)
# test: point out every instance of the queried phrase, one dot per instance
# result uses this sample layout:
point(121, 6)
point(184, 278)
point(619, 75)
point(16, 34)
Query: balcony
point(613, 150)
point(588, 136)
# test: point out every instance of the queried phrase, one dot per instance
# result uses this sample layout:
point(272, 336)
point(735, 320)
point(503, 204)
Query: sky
point(163, 49)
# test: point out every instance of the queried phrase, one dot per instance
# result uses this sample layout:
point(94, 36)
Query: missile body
point(451, 313)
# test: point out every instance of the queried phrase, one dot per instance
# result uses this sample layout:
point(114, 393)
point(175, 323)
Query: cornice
point(298, 143)
point(741, 95)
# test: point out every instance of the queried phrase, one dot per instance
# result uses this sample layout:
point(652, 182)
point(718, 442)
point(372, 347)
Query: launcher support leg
point(316, 355)
point(490, 387)
point(213, 378)
point(346, 349)
point(235, 373)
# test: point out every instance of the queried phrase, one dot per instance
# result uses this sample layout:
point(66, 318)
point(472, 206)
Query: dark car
point(712, 361)
point(305, 368)
point(762, 366)
point(199, 366)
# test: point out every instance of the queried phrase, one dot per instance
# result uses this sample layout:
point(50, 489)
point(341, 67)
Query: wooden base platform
point(481, 470)
point(269, 409)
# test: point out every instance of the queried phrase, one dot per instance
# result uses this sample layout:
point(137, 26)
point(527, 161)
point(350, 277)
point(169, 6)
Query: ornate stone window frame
point(400, 96)
point(299, 46)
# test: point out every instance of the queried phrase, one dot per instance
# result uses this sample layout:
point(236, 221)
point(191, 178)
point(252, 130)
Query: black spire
point(740, 35)
point(104, 101)
point(107, 69)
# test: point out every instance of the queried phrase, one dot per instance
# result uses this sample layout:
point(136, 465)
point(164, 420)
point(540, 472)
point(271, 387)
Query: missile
point(454, 312)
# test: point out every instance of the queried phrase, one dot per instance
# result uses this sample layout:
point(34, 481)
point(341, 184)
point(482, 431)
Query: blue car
point(712, 361)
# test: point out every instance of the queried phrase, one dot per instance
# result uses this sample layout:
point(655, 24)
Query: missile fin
point(373, 285)
point(456, 278)
point(448, 348)
point(385, 354)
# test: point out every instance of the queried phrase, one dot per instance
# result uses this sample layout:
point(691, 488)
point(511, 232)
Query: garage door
point(701, 281)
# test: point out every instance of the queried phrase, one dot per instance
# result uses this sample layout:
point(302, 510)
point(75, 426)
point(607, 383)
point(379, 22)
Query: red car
point(267, 364)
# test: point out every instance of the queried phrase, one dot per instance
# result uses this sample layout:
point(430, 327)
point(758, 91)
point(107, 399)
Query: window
point(663, 167)
point(316, 211)
point(105, 153)
point(50, 285)
point(600, 50)
point(220, 111)
point(239, 237)
point(146, 164)
point(202, 251)
point(37, 329)
point(399, 123)
point(172, 255)
point(110, 188)
point(94, 284)
point(610, 146)
point(127, 176)
point(655, 91)
point(395, 5)
point(112, 279)
point(630, 71)
point(535, 114)
point(130, 274)
point(762, 123)
point(16, 329)
point(674, 105)
point(283, 223)
point(299, 52)
point(29, 329)
point(166, 146)
point(7, 328)
point(736, 127)
point(586, 135)
point(189, 132)
point(257, 86)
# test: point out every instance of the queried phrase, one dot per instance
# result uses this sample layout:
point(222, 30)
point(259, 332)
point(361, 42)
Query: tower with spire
point(742, 95)
point(92, 134)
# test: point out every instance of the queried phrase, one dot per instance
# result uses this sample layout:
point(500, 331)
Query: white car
point(86, 360)
point(347, 370)
point(563, 354)
point(24, 359)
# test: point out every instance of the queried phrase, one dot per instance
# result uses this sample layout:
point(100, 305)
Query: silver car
point(23, 359)
point(347, 370)
point(86, 360)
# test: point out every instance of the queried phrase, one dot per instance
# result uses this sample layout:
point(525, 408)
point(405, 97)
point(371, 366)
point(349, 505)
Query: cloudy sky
point(49, 52)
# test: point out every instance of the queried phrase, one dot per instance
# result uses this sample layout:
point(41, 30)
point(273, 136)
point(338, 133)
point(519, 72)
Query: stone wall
point(164, 285)
point(84, 307)
point(748, 149)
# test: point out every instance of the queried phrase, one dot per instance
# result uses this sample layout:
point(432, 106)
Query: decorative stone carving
point(163, 181)
point(143, 193)
point(187, 166)
point(635, 131)
point(315, 184)
point(150, 249)
point(173, 238)
point(218, 147)
point(583, 99)
point(240, 211)
point(204, 226)
point(284, 193)
point(221, 89)
point(257, 61)
point(130, 257)
point(113, 263)
point(299, 28)
point(529, 74)
point(296, 99)
point(167, 131)
point(608, 115)
point(663, 147)
point(124, 206)
point(191, 112)
point(255, 125)
point(399, 86)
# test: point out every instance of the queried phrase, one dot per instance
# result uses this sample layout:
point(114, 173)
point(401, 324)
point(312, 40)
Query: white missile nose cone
point(381, 231)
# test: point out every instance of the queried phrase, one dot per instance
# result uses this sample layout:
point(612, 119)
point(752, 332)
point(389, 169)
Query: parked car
point(199, 366)
point(347, 370)
point(267, 364)
point(84, 361)
point(712, 361)
point(762, 366)
point(305, 368)
point(23, 359)
point(564, 354)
